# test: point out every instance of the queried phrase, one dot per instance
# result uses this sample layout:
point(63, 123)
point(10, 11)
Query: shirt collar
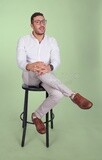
point(45, 36)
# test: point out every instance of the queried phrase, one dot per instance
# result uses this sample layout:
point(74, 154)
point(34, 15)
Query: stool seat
point(33, 88)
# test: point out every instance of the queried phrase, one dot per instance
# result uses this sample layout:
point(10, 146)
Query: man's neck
point(38, 37)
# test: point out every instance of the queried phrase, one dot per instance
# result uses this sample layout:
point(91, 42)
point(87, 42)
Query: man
point(38, 56)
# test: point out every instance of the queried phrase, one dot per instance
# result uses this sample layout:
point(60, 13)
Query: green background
point(77, 26)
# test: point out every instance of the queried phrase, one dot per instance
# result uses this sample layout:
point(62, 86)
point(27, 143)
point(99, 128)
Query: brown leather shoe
point(82, 102)
point(40, 127)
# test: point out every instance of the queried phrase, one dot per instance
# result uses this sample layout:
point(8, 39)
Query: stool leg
point(51, 117)
point(47, 126)
point(25, 117)
point(47, 129)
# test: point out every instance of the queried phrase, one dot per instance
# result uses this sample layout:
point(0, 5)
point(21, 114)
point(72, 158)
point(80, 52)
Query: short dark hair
point(36, 14)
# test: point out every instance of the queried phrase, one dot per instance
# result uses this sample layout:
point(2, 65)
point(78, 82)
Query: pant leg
point(55, 88)
point(52, 100)
point(30, 78)
point(50, 80)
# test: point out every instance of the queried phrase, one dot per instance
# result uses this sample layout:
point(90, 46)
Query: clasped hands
point(38, 67)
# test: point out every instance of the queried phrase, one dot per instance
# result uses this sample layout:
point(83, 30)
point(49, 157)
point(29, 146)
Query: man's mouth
point(42, 28)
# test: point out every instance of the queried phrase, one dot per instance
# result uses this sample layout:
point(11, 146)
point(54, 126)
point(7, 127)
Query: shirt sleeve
point(21, 54)
point(55, 54)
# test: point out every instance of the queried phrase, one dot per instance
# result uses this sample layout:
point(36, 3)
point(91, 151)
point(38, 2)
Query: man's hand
point(34, 67)
point(44, 69)
point(38, 67)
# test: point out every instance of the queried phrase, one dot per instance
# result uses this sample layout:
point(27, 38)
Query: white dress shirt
point(29, 50)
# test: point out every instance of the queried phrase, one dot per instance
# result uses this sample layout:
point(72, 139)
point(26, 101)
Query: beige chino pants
point(55, 88)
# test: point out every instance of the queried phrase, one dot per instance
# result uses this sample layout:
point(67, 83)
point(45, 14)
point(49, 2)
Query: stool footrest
point(53, 116)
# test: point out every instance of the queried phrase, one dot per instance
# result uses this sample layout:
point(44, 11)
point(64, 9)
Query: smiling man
point(38, 56)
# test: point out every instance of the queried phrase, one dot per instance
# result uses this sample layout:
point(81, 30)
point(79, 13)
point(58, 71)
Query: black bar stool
point(23, 115)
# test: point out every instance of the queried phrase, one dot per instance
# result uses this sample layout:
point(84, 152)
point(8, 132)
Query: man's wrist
point(51, 66)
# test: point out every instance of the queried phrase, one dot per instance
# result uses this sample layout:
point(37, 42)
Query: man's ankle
point(72, 95)
point(34, 115)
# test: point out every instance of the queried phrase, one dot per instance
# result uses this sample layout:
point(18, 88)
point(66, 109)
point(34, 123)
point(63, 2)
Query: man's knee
point(57, 94)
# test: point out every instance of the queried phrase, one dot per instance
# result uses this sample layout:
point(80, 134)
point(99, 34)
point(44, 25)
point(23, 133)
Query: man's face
point(39, 25)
